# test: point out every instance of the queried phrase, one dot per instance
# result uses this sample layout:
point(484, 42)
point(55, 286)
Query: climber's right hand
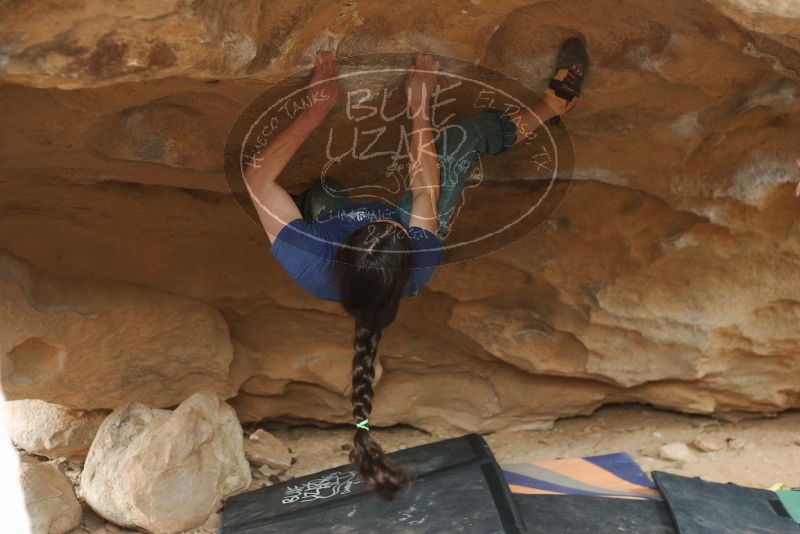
point(421, 82)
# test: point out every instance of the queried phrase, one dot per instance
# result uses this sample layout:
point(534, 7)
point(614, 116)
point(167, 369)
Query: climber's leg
point(530, 119)
point(320, 200)
point(492, 132)
point(489, 132)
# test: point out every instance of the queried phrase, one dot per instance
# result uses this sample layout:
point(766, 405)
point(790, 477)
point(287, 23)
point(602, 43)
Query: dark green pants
point(489, 132)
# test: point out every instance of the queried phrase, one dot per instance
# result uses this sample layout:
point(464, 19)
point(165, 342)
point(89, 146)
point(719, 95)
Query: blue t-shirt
point(307, 251)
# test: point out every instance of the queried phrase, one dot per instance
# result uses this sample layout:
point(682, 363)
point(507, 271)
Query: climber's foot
point(564, 88)
point(561, 94)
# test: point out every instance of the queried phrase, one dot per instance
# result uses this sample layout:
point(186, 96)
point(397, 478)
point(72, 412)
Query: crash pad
point(608, 475)
point(701, 507)
point(580, 514)
point(791, 501)
point(458, 488)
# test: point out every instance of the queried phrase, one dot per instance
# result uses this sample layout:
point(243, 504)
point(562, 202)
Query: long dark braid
point(374, 264)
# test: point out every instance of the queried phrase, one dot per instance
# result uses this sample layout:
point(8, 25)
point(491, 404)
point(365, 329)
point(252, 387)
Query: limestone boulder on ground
point(52, 430)
point(165, 471)
point(49, 498)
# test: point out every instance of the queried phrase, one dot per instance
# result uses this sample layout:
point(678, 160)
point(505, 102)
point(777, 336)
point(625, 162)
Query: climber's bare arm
point(797, 191)
point(274, 205)
point(424, 168)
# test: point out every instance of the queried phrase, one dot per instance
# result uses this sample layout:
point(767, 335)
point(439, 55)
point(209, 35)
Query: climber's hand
point(323, 95)
point(421, 82)
point(797, 191)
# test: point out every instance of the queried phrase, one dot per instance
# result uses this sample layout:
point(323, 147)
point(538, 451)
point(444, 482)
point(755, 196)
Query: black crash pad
point(701, 507)
point(582, 514)
point(459, 488)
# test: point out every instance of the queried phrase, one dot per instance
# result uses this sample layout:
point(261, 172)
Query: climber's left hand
point(323, 95)
point(797, 191)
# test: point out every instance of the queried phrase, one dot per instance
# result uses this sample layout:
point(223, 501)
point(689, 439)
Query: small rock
point(704, 422)
point(262, 448)
point(736, 444)
point(266, 471)
point(657, 435)
point(676, 452)
point(49, 499)
point(707, 443)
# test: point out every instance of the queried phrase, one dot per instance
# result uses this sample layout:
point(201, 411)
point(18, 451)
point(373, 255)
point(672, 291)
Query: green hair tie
point(363, 425)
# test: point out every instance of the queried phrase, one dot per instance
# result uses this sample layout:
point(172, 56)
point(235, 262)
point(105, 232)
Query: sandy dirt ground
point(757, 452)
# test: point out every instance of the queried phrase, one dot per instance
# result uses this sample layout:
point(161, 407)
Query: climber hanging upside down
point(368, 256)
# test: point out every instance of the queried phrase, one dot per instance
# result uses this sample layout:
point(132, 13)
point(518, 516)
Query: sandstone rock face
point(97, 343)
point(51, 430)
point(667, 275)
point(49, 498)
point(165, 471)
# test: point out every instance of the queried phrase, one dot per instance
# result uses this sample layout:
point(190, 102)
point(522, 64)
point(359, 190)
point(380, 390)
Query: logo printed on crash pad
point(337, 483)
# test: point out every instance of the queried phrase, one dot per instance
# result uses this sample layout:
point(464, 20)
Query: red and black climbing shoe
point(572, 64)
